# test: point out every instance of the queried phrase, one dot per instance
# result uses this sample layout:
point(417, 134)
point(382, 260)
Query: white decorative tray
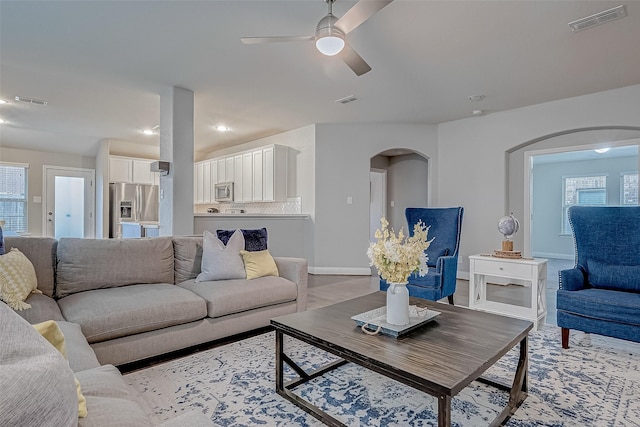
point(377, 318)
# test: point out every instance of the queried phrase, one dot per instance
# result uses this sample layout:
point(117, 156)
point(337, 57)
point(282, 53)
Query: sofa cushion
point(616, 306)
point(611, 276)
point(233, 296)
point(86, 264)
point(220, 261)
point(17, 279)
point(110, 402)
point(105, 314)
point(79, 353)
point(188, 257)
point(43, 308)
point(37, 385)
point(41, 251)
point(52, 333)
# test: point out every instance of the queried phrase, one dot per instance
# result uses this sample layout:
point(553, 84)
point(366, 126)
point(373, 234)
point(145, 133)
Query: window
point(629, 188)
point(13, 196)
point(582, 190)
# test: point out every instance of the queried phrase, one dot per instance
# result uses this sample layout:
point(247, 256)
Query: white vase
point(398, 304)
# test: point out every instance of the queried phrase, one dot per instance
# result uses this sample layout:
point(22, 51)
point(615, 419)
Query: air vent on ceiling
point(599, 18)
point(30, 100)
point(346, 99)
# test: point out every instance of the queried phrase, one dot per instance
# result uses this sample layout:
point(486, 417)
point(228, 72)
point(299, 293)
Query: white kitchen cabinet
point(221, 171)
point(142, 171)
point(120, 169)
point(238, 193)
point(132, 170)
point(247, 177)
point(274, 159)
point(257, 176)
point(206, 182)
point(228, 170)
point(214, 178)
point(199, 173)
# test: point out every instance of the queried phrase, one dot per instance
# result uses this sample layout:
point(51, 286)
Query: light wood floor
point(328, 289)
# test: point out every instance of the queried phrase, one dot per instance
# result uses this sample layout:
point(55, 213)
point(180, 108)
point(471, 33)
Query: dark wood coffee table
point(440, 358)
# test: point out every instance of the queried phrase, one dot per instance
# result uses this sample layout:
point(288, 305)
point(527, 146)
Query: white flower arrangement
point(396, 257)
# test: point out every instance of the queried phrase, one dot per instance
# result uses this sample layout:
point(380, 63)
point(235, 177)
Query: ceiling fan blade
point(276, 39)
point(359, 13)
point(354, 61)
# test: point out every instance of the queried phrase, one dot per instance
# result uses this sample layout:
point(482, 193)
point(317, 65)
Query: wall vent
point(599, 18)
point(30, 100)
point(346, 99)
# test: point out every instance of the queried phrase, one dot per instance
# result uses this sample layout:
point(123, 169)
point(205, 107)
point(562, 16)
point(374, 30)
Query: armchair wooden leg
point(565, 337)
point(450, 297)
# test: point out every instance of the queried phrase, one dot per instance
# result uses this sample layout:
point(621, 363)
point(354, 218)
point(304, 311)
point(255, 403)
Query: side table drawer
point(506, 269)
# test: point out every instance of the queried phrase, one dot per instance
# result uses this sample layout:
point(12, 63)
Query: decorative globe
point(508, 225)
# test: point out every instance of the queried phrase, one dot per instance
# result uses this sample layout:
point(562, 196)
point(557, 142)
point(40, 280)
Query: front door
point(69, 202)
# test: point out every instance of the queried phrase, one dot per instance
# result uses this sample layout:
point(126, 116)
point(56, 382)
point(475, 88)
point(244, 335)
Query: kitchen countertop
point(249, 215)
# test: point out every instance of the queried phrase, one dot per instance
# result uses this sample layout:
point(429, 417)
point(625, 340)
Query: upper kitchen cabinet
point(131, 170)
point(274, 171)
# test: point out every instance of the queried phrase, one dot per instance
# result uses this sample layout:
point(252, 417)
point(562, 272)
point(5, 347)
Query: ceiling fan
point(331, 31)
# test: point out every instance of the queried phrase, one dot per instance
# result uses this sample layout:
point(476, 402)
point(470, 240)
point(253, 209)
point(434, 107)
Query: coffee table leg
point(444, 411)
point(279, 363)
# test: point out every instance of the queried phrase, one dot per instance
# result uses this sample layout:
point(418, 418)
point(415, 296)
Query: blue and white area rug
point(594, 383)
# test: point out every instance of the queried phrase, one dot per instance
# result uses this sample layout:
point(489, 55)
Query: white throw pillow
point(220, 262)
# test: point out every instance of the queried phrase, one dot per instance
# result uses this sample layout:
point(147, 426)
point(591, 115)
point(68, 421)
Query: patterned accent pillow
point(254, 239)
point(17, 279)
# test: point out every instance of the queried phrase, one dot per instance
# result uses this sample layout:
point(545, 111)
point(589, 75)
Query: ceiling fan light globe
point(330, 45)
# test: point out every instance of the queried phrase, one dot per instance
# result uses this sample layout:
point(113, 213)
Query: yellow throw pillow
point(17, 279)
point(259, 264)
point(52, 333)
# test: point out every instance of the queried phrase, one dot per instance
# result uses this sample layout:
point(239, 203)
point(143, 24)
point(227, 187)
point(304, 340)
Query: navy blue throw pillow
point(254, 240)
point(1, 242)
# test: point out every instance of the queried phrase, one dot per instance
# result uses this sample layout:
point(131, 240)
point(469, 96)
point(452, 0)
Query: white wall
point(546, 238)
point(37, 159)
point(343, 153)
point(472, 155)
point(408, 177)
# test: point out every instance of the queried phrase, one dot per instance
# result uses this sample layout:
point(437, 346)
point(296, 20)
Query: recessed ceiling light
point(148, 132)
point(602, 150)
point(1, 121)
point(2, 101)
point(478, 112)
point(222, 128)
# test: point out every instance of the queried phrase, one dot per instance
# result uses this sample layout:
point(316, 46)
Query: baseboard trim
point(552, 255)
point(343, 271)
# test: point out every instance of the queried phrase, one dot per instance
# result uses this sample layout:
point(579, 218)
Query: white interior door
point(69, 195)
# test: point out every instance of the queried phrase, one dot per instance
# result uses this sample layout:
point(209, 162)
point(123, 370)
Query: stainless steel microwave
point(224, 192)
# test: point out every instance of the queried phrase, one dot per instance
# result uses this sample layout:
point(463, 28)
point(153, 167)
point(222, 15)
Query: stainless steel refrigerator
point(132, 203)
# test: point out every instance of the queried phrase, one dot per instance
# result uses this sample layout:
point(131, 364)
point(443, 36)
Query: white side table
point(533, 271)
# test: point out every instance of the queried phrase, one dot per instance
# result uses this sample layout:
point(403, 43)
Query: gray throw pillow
point(220, 262)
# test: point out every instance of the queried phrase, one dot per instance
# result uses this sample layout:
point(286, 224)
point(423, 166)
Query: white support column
point(176, 147)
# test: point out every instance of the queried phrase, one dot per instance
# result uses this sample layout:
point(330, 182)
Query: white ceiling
point(102, 65)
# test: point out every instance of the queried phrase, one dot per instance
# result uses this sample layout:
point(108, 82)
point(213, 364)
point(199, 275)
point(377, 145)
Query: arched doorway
point(400, 178)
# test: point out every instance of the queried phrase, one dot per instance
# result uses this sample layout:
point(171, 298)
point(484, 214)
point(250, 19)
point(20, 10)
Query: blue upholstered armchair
point(446, 227)
point(601, 294)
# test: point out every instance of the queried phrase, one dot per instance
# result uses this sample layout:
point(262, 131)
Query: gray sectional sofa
point(121, 301)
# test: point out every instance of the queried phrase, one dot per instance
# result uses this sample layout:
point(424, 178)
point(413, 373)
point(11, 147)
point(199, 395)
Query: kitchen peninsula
point(287, 233)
